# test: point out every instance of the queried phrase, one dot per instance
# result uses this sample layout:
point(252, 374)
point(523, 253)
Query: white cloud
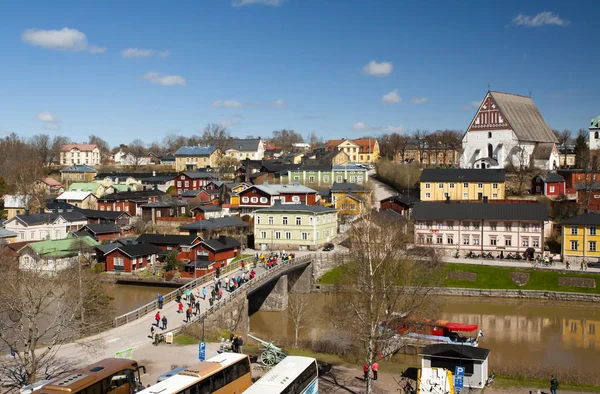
point(272, 3)
point(130, 53)
point(382, 69)
point(96, 49)
point(64, 39)
point(281, 103)
point(49, 120)
point(391, 98)
point(472, 105)
point(4, 132)
point(164, 80)
point(227, 103)
point(361, 126)
point(545, 18)
point(238, 116)
point(419, 100)
point(229, 123)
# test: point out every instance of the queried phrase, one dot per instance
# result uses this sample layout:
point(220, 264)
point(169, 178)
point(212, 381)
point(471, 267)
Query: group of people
point(234, 344)
point(374, 368)
point(156, 336)
point(274, 259)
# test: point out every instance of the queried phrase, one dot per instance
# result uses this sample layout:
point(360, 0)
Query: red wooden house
point(131, 257)
point(129, 202)
point(260, 196)
point(101, 232)
point(573, 177)
point(195, 180)
point(401, 203)
point(187, 246)
point(550, 185)
point(214, 253)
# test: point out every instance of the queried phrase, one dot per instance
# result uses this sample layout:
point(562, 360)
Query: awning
point(461, 327)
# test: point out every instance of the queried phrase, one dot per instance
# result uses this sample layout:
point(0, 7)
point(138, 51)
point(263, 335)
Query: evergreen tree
point(582, 150)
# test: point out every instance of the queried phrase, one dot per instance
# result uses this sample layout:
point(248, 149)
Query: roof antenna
point(529, 93)
point(489, 86)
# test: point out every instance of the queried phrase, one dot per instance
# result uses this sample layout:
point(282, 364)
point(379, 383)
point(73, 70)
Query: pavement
point(380, 189)
point(558, 266)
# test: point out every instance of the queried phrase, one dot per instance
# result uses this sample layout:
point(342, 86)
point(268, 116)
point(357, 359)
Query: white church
point(508, 128)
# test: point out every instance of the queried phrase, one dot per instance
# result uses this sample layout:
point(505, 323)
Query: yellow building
point(581, 238)
point(462, 184)
point(364, 151)
point(350, 198)
point(581, 333)
point(191, 158)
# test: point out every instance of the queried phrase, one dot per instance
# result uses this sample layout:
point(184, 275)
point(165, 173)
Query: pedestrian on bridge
point(188, 315)
point(152, 331)
point(192, 299)
point(164, 322)
point(204, 293)
point(197, 312)
point(220, 293)
point(160, 301)
point(187, 294)
point(157, 318)
point(180, 307)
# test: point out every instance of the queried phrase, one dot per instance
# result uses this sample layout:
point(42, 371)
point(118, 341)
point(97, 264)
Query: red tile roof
point(81, 147)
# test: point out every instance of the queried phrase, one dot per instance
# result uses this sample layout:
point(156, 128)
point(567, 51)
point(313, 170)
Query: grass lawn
point(490, 277)
point(184, 340)
point(505, 382)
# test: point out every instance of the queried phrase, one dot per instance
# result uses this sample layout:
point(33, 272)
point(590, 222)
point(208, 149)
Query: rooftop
point(550, 177)
point(214, 224)
point(199, 174)
point(195, 151)
point(221, 243)
point(462, 175)
point(102, 228)
point(74, 196)
point(276, 189)
point(141, 194)
point(296, 208)
point(243, 145)
point(349, 187)
point(455, 351)
point(166, 239)
point(586, 219)
point(61, 247)
point(43, 218)
point(81, 147)
point(79, 168)
point(479, 211)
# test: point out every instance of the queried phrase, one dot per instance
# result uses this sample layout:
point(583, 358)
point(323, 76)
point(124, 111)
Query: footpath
point(558, 266)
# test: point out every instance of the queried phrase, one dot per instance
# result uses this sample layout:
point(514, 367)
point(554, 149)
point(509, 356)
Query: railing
point(153, 305)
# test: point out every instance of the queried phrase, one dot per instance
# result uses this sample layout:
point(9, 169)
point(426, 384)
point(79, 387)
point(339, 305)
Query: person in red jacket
point(375, 368)
point(366, 371)
point(180, 307)
point(157, 318)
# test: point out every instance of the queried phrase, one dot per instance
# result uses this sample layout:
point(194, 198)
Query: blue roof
point(195, 150)
point(79, 168)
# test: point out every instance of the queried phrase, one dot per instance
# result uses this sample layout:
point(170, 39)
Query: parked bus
point(226, 373)
point(293, 375)
point(109, 376)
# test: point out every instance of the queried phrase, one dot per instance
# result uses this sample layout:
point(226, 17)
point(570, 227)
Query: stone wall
point(301, 280)
point(231, 316)
point(324, 262)
point(532, 294)
point(277, 299)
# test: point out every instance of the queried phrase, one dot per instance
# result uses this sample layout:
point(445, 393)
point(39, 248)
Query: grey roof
point(102, 228)
point(79, 168)
point(137, 195)
point(590, 218)
point(404, 199)
point(190, 193)
point(214, 224)
point(348, 187)
point(550, 177)
point(543, 150)
point(462, 175)
point(208, 208)
point(97, 214)
point(349, 167)
point(296, 208)
point(4, 233)
point(455, 351)
point(141, 249)
point(276, 189)
point(478, 211)
point(243, 145)
point(43, 218)
point(587, 186)
point(524, 117)
point(106, 248)
point(195, 151)
point(165, 204)
point(221, 243)
point(166, 239)
point(199, 174)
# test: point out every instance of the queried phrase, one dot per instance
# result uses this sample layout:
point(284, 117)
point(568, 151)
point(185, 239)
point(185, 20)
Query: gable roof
point(590, 218)
point(60, 247)
point(78, 168)
point(51, 182)
point(91, 187)
point(462, 175)
point(199, 174)
point(135, 196)
point(221, 243)
point(367, 145)
point(404, 199)
point(208, 208)
point(97, 214)
point(333, 143)
point(543, 150)
point(4, 233)
point(276, 189)
point(478, 211)
point(455, 351)
point(166, 239)
point(550, 177)
point(102, 228)
point(243, 145)
point(44, 218)
point(76, 196)
point(81, 147)
point(214, 224)
point(195, 151)
point(524, 117)
point(137, 250)
point(349, 187)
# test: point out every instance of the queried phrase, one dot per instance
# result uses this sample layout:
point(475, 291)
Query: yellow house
point(581, 238)
point(462, 184)
point(191, 158)
point(350, 198)
point(364, 150)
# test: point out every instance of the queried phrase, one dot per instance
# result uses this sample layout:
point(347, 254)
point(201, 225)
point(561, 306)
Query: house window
point(507, 241)
point(277, 234)
point(475, 241)
point(353, 206)
point(508, 227)
point(324, 234)
point(359, 179)
point(493, 241)
point(263, 200)
point(465, 240)
point(466, 225)
point(440, 239)
point(592, 246)
point(525, 242)
point(551, 189)
point(245, 199)
point(427, 195)
point(288, 235)
point(493, 226)
point(310, 220)
point(326, 178)
point(430, 239)
point(304, 235)
point(296, 179)
point(311, 179)
point(352, 179)
point(26, 259)
point(263, 234)
point(296, 199)
point(466, 196)
point(535, 242)
point(494, 185)
point(440, 225)
point(452, 186)
point(480, 185)
point(338, 179)
point(56, 234)
point(298, 221)
point(428, 186)
point(421, 225)
point(494, 195)
point(450, 239)
point(574, 245)
point(421, 239)
point(254, 200)
point(440, 185)
point(271, 220)
point(466, 185)
point(284, 220)
point(593, 230)
point(178, 183)
point(187, 184)
point(119, 262)
point(32, 235)
point(158, 214)
point(489, 134)
point(573, 230)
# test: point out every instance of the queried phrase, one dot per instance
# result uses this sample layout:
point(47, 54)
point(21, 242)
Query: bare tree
point(314, 140)
point(378, 282)
point(216, 135)
point(563, 139)
point(420, 137)
point(285, 139)
point(103, 146)
point(42, 311)
point(57, 142)
point(520, 162)
point(137, 152)
point(173, 141)
point(300, 312)
point(42, 146)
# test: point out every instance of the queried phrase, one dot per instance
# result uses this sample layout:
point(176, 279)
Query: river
point(530, 332)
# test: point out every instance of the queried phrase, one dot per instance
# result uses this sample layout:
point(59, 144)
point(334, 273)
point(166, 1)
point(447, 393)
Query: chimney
point(447, 199)
point(222, 239)
point(41, 210)
point(485, 199)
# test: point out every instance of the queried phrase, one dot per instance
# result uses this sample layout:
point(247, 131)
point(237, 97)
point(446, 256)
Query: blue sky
point(339, 68)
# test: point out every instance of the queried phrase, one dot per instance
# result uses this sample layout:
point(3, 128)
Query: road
point(381, 189)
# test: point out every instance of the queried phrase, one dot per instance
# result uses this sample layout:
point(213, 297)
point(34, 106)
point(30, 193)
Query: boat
point(426, 331)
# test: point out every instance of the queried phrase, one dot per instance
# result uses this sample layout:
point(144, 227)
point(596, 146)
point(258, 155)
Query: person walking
point(187, 294)
point(235, 345)
point(553, 384)
point(160, 301)
point(375, 368)
point(152, 331)
point(240, 344)
point(188, 314)
point(180, 307)
point(220, 293)
point(197, 312)
point(218, 272)
point(164, 322)
point(157, 318)
point(192, 299)
point(366, 371)
point(204, 293)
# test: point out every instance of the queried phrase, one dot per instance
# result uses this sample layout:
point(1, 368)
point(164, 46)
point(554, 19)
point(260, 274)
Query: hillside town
point(291, 197)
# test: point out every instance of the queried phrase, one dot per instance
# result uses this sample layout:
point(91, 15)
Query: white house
point(53, 255)
point(241, 149)
point(86, 200)
point(508, 130)
point(128, 159)
point(88, 154)
point(41, 226)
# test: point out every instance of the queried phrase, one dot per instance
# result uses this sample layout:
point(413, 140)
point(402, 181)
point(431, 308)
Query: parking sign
point(202, 351)
point(459, 375)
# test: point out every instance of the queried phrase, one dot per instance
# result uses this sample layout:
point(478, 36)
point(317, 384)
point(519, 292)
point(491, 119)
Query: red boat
point(434, 331)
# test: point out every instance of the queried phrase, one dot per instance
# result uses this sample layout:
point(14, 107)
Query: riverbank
point(508, 282)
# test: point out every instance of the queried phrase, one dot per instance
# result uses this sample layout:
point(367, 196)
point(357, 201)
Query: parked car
point(595, 264)
point(328, 247)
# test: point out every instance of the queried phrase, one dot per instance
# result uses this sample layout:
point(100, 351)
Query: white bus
point(225, 373)
point(293, 375)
